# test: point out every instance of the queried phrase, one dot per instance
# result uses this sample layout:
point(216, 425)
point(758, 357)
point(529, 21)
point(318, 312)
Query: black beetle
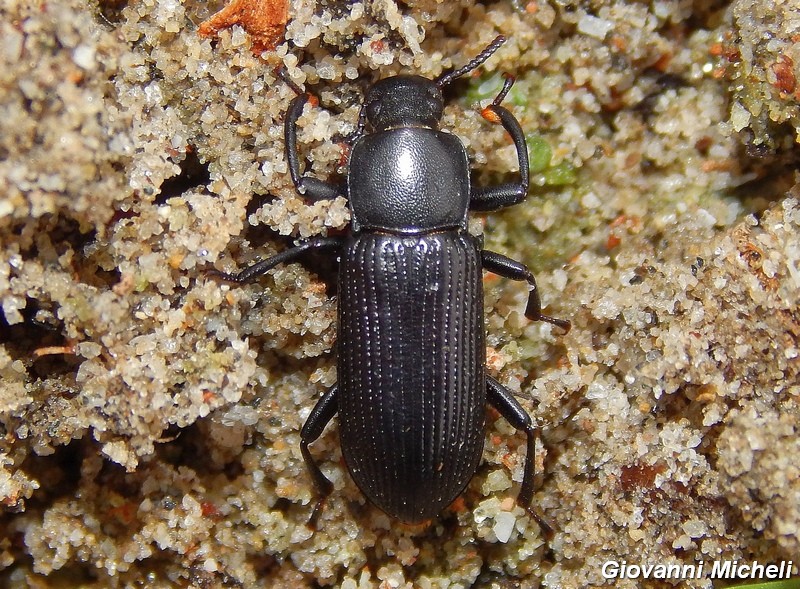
point(411, 384)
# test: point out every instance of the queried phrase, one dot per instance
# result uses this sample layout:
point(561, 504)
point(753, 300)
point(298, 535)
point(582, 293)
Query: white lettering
point(689, 571)
point(721, 569)
point(662, 571)
point(610, 569)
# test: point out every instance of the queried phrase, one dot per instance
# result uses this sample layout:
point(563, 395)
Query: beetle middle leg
point(321, 415)
point(508, 268)
point(285, 257)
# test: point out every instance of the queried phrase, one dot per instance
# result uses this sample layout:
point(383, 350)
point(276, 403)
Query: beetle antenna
point(359, 130)
point(448, 77)
point(283, 74)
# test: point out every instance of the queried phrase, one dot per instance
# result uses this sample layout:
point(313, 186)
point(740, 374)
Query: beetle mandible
point(411, 384)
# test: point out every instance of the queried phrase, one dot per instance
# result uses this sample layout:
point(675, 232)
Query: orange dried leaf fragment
point(264, 20)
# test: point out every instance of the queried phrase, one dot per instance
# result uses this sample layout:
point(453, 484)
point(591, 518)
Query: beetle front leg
point(491, 198)
point(309, 187)
point(285, 257)
point(320, 417)
point(508, 268)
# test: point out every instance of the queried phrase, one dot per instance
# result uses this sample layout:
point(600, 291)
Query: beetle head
point(408, 100)
point(404, 101)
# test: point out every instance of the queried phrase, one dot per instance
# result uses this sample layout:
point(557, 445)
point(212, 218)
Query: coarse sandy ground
point(150, 416)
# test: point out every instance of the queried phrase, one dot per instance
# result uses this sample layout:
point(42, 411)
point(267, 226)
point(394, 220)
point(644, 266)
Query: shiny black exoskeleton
point(411, 384)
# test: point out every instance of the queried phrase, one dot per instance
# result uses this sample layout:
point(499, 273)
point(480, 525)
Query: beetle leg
point(285, 257)
point(491, 198)
point(503, 400)
point(310, 188)
point(320, 416)
point(507, 405)
point(508, 268)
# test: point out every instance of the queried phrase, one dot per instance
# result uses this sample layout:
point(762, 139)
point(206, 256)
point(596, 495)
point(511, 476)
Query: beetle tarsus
point(507, 83)
point(319, 507)
point(564, 324)
point(544, 525)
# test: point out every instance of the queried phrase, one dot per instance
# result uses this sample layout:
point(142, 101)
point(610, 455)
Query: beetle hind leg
point(503, 400)
point(321, 415)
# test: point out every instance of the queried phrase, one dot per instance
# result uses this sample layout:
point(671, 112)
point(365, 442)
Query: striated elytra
point(412, 384)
